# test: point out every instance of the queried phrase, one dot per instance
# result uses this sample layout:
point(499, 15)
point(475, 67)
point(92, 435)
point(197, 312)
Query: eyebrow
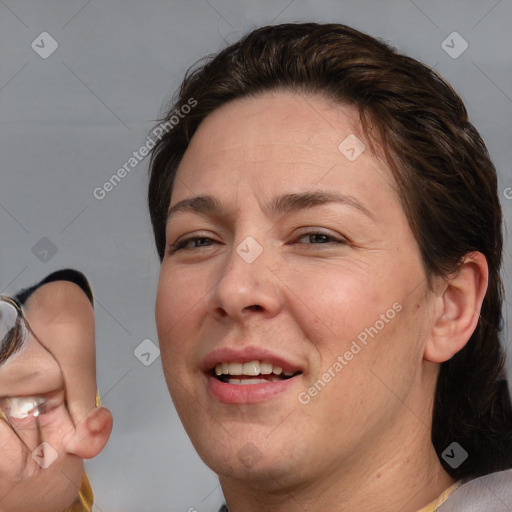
point(292, 202)
point(198, 204)
point(280, 205)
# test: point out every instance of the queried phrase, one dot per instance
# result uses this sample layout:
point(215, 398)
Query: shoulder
point(489, 493)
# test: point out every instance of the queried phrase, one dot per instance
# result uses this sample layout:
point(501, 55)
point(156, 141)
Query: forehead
point(281, 142)
point(279, 123)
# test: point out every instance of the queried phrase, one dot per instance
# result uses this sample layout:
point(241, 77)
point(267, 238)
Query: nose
point(247, 286)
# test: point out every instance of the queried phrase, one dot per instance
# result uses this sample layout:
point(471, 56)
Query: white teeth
point(252, 381)
point(265, 368)
point(251, 368)
point(243, 382)
point(20, 408)
point(235, 368)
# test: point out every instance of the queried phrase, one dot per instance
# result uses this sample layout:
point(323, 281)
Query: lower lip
point(246, 393)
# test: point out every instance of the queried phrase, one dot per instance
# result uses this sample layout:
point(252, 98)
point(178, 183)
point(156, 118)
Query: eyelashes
point(309, 237)
point(322, 238)
point(191, 243)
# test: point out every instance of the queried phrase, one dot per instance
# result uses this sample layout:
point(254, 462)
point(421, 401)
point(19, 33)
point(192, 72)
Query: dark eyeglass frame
point(7, 350)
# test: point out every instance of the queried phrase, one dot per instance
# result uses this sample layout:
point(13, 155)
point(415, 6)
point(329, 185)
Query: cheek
point(334, 303)
point(13, 455)
point(358, 313)
point(179, 307)
point(174, 297)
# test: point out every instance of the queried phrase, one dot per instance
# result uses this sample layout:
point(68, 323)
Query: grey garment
point(489, 493)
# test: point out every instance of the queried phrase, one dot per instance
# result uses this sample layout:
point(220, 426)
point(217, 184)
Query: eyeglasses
point(11, 327)
point(32, 391)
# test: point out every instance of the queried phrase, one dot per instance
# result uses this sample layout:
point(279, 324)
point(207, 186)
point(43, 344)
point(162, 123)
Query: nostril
point(255, 307)
point(221, 313)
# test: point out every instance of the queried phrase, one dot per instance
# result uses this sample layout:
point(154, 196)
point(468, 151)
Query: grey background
point(68, 122)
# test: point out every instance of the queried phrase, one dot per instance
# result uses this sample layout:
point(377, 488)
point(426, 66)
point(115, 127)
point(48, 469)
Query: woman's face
point(36, 423)
point(288, 249)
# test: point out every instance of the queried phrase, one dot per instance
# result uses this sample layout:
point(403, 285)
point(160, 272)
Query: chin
point(268, 474)
point(249, 456)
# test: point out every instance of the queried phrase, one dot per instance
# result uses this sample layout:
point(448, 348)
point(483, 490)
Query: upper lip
point(245, 355)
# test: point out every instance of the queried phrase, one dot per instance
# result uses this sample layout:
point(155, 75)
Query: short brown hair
point(446, 181)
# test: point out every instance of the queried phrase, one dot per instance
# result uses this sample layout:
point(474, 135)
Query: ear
point(91, 434)
point(458, 309)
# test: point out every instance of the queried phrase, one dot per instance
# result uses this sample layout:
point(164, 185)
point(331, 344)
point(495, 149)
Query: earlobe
point(91, 434)
point(458, 309)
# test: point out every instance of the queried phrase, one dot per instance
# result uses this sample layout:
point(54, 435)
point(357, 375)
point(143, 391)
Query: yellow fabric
point(85, 498)
point(435, 504)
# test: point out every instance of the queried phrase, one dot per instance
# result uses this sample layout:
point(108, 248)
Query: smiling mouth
point(252, 372)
